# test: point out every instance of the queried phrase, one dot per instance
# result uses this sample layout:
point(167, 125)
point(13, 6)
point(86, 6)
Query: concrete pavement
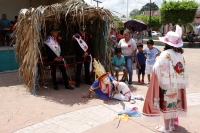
point(100, 118)
point(64, 111)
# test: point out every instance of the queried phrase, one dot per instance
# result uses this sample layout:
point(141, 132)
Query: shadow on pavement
point(181, 129)
point(9, 79)
point(70, 97)
point(64, 96)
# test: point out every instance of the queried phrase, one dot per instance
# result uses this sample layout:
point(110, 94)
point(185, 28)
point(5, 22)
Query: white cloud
point(120, 6)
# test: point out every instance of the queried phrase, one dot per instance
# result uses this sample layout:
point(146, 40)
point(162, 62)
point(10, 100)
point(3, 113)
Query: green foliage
point(118, 26)
point(117, 23)
point(123, 16)
point(144, 18)
point(121, 28)
point(155, 20)
point(147, 7)
point(178, 12)
point(189, 27)
point(134, 12)
point(116, 18)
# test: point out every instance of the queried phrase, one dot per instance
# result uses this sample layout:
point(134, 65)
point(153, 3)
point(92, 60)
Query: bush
point(155, 20)
point(178, 12)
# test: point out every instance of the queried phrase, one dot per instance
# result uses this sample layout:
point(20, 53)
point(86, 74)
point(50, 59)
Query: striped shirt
point(127, 48)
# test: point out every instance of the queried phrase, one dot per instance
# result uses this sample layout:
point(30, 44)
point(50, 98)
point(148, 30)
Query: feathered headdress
point(100, 71)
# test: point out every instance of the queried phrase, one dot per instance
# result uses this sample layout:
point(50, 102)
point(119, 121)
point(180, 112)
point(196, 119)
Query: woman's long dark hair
point(178, 50)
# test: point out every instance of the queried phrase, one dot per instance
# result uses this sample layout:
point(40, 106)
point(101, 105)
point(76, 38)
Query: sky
point(121, 5)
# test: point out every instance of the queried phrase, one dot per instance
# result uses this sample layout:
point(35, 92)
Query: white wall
point(12, 7)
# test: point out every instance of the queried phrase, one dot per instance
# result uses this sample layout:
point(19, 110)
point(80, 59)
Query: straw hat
point(173, 38)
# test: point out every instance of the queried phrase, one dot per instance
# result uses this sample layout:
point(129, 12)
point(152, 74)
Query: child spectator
point(118, 62)
point(140, 60)
point(151, 54)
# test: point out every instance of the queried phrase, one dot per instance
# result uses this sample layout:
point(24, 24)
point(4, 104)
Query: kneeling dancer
point(106, 87)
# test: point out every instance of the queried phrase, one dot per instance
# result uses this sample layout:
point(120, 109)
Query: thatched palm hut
point(33, 25)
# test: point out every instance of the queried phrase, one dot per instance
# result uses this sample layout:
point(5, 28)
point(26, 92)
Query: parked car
point(155, 33)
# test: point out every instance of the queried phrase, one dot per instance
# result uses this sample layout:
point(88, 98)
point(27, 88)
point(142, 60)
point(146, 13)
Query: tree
point(123, 16)
point(116, 18)
point(155, 20)
point(117, 23)
point(134, 12)
point(178, 12)
point(144, 18)
point(147, 7)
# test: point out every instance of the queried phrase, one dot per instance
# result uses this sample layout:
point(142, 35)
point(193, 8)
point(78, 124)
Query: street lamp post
point(150, 15)
point(127, 11)
point(97, 2)
point(150, 32)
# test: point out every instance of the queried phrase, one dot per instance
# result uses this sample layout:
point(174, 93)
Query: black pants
point(60, 65)
point(142, 70)
point(87, 72)
point(4, 37)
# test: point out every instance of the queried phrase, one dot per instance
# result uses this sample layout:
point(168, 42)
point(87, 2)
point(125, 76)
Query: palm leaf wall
point(33, 26)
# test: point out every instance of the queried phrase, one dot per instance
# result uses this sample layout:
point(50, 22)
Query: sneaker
point(162, 129)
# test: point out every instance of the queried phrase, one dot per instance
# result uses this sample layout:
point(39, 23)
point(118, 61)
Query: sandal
point(162, 129)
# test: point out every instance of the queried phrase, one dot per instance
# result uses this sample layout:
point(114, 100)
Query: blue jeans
point(129, 66)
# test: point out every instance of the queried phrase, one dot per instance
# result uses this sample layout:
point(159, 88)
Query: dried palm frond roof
point(31, 21)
